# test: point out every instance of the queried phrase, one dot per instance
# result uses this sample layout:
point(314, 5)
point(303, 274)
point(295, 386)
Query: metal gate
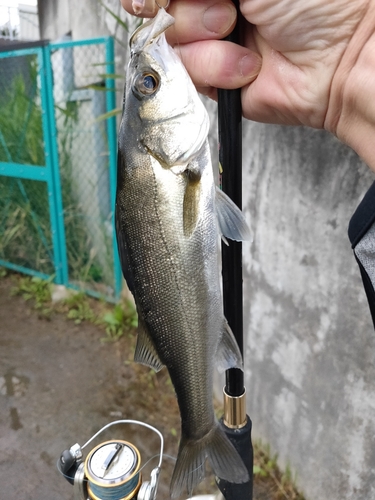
point(58, 164)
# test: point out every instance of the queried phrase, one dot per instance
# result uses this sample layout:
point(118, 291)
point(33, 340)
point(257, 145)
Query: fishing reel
point(111, 470)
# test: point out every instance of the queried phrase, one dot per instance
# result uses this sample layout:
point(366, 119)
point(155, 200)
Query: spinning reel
point(111, 470)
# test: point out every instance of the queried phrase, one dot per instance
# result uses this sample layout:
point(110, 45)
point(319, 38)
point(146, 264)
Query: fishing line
point(136, 422)
point(162, 6)
point(157, 455)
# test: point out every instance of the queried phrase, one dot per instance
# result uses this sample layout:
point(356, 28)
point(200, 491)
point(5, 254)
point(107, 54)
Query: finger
point(219, 64)
point(196, 20)
point(210, 92)
point(143, 8)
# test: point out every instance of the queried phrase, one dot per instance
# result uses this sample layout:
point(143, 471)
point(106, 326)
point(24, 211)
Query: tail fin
point(221, 454)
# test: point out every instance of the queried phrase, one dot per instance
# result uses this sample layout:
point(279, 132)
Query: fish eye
point(146, 83)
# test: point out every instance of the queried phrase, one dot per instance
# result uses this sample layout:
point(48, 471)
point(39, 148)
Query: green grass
point(115, 320)
point(21, 138)
point(25, 238)
point(121, 318)
point(282, 484)
point(36, 290)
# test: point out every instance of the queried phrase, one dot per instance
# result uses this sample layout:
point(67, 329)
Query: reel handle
point(69, 462)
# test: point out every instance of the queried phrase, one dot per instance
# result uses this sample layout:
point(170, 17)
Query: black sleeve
point(362, 237)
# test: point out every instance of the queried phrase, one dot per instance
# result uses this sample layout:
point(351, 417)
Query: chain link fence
point(51, 130)
point(25, 230)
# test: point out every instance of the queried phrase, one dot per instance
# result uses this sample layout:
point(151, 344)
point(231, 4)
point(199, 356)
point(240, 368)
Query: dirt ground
point(59, 384)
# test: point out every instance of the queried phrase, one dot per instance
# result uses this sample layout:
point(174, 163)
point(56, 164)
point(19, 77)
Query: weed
point(122, 318)
point(79, 308)
point(25, 236)
point(35, 289)
point(266, 469)
point(173, 432)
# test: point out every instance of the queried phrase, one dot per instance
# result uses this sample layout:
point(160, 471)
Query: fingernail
point(250, 65)
point(144, 8)
point(138, 6)
point(219, 17)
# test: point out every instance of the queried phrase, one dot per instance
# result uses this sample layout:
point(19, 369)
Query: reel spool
point(111, 470)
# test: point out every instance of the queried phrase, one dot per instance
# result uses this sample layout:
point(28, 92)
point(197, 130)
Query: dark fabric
point(369, 289)
point(363, 217)
point(361, 221)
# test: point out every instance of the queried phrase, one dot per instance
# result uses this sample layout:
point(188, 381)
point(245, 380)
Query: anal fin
point(145, 352)
point(228, 353)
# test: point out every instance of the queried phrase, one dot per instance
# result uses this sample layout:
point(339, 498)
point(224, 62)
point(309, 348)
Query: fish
point(169, 217)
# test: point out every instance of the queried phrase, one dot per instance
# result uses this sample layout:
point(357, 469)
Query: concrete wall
point(29, 23)
point(310, 357)
point(84, 19)
point(54, 19)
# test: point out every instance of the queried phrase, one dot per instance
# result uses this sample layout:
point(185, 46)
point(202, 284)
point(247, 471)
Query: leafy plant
point(124, 25)
point(36, 289)
point(25, 236)
point(79, 308)
point(119, 320)
point(33, 288)
point(266, 469)
point(21, 117)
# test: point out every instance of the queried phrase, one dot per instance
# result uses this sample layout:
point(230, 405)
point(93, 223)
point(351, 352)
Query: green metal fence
point(58, 164)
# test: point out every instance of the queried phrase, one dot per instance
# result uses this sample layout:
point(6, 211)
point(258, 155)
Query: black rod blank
point(230, 156)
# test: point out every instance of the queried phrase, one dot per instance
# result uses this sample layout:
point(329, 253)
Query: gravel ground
point(59, 384)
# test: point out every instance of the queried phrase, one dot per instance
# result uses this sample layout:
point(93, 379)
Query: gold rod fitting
point(235, 410)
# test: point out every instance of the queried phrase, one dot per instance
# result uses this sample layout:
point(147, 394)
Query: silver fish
point(169, 217)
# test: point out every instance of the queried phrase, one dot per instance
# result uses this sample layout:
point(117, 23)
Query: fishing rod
point(236, 424)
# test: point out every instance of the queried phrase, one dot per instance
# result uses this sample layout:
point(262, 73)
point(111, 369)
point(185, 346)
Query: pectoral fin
point(228, 353)
point(191, 201)
point(145, 352)
point(232, 223)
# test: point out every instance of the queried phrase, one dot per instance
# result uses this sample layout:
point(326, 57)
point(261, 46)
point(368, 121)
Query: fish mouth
point(150, 30)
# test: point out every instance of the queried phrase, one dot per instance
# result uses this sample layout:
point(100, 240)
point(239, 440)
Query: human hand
point(314, 55)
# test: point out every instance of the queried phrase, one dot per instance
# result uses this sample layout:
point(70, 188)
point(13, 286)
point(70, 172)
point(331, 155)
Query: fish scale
point(169, 216)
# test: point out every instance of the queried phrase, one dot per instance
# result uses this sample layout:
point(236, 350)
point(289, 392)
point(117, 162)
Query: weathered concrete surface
point(310, 358)
point(59, 384)
point(80, 19)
